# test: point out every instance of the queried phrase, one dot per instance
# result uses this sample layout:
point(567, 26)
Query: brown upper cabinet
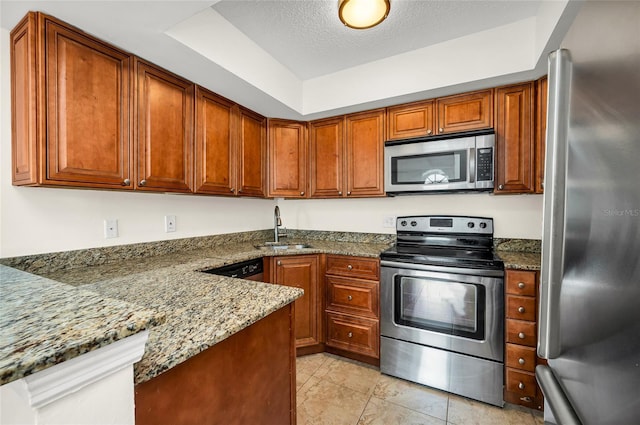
point(72, 122)
point(164, 139)
point(464, 112)
point(541, 131)
point(327, 158)
point(230, 147)
point(287, 158)
point(514, 139)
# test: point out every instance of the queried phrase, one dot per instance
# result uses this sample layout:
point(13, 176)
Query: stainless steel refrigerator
point(590, 280)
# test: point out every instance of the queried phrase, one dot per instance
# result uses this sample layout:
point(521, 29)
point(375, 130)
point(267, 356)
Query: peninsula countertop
point(201, 309)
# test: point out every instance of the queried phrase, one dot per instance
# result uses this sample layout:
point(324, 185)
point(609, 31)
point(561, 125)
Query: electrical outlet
point(110, 228)
point(389, 221)
point(169, 223)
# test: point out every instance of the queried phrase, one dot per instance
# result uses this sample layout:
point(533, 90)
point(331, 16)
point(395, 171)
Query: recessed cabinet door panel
point(252, 154)
point(88, 109)
point(165, 130)
point(287, 159)
point(365, 154)
point(215, 140)
point(326, 144)
point(469, 111)
point(412, 120)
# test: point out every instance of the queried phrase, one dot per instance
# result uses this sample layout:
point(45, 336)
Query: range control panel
point(445, 224)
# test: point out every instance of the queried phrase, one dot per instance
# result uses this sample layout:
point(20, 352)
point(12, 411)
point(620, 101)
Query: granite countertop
point(201, 309)
point(520, 260)
point(43, 322)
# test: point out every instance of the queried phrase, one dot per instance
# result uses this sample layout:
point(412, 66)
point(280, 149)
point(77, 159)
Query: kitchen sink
point(281, 246)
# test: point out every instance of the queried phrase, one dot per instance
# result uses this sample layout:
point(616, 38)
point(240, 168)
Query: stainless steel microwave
point(458, 162)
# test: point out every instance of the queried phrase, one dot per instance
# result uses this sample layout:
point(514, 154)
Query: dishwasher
point(249, 270)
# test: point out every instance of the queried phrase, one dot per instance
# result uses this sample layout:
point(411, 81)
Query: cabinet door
point(327, 159)
point(287, 159)
point(88, 113)
point(411, 120)
point(215, 157)
point(301, 271)
point(514, 139)
point(164, 130)
point(541, 131)
point(464, 112)
point(251, 154)
point(365, 153)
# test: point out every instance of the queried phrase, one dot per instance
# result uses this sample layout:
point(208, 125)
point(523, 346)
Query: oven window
point(447, 307)
point(445, 167)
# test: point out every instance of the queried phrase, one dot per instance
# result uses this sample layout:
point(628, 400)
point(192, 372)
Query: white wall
point(39, 220)
point(515, 216)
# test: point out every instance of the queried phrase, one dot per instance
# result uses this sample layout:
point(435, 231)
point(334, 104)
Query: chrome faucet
point(277, 222)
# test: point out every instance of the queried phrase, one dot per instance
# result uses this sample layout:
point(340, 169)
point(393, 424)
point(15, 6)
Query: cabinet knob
point(521, 335)
point(143, 182)
point(350, 334)
point(521, 385)
point(429, 131)
point(520, 309)
point(349, 267)
point(301, 193)
point(521, 360)
point(500, 187)
point(521, 285)
point(348, 193)
point(239, 190)
point(279, 263)
point(441, 129)
point(340, 193)
point(349, 298)
point(126, 182)
point(232, 190)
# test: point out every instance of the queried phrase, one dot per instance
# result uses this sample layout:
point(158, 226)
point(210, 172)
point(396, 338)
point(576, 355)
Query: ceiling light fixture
point(363, 14)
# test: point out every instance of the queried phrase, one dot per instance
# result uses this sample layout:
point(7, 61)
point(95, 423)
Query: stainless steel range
point(442, 306)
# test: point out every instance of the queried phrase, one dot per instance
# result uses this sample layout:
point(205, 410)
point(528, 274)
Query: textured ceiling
point(307, 37)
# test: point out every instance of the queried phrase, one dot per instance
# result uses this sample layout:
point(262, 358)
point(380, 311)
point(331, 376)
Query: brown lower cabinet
point(521, 359)
point(248, 378)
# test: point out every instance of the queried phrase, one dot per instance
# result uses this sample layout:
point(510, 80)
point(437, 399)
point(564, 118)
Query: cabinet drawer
point(521, 332)
point(521, 282)
point(521, 383)
point(521, 357)
point(353, 296)
point(344, 265)
point(522, 308)
point(355, 334)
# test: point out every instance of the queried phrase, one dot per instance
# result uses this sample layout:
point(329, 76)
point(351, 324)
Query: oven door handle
point(427, 268)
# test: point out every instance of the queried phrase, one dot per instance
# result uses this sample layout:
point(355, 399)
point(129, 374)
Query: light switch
point(169, 223)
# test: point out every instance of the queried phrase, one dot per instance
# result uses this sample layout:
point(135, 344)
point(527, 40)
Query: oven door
point(443, 307)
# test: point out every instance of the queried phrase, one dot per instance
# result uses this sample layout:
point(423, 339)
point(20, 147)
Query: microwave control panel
point(485, 164)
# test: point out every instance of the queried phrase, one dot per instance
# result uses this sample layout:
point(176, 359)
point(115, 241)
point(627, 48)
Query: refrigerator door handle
point(554, 204)
point(555, 397)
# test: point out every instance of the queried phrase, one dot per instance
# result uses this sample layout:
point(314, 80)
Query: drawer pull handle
point(527, 399)
point(350, 267)
point(521, 360)
point(521, 285)
point(521, 335)
point(521, 386)
point(350, 334)
point(520, 309)
point(126, 182)
point(349, 297)
point(142, 183)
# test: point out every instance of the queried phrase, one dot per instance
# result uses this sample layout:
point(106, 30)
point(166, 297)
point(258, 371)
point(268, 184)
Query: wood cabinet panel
point(521, 308)
point(464, 112)
point(327, 158)
point(541, 131)
point(365, 153)
point(520, 357)
point(410, 120)
point(521, 282)
point(359, 267)
point(216, 137)
point(352, 296)
point(514, 139)
point(353, 333)
point(165, 123)
point(521, 332)
point(288, 159)
point(252, 154)
point(301, 271)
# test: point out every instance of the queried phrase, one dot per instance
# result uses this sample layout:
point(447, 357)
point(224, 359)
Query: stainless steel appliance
point(590, 281)
point(460, 162)
point(442, 306)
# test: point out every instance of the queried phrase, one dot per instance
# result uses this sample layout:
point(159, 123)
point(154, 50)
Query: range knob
point(403, 223)
point(483, 225)
point(414, 223)
point(471, 225)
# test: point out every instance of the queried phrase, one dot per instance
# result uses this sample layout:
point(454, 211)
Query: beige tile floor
point(337, 391)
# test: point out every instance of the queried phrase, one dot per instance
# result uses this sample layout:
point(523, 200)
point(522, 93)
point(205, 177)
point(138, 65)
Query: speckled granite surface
point(520, 260)
point(43, 323)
